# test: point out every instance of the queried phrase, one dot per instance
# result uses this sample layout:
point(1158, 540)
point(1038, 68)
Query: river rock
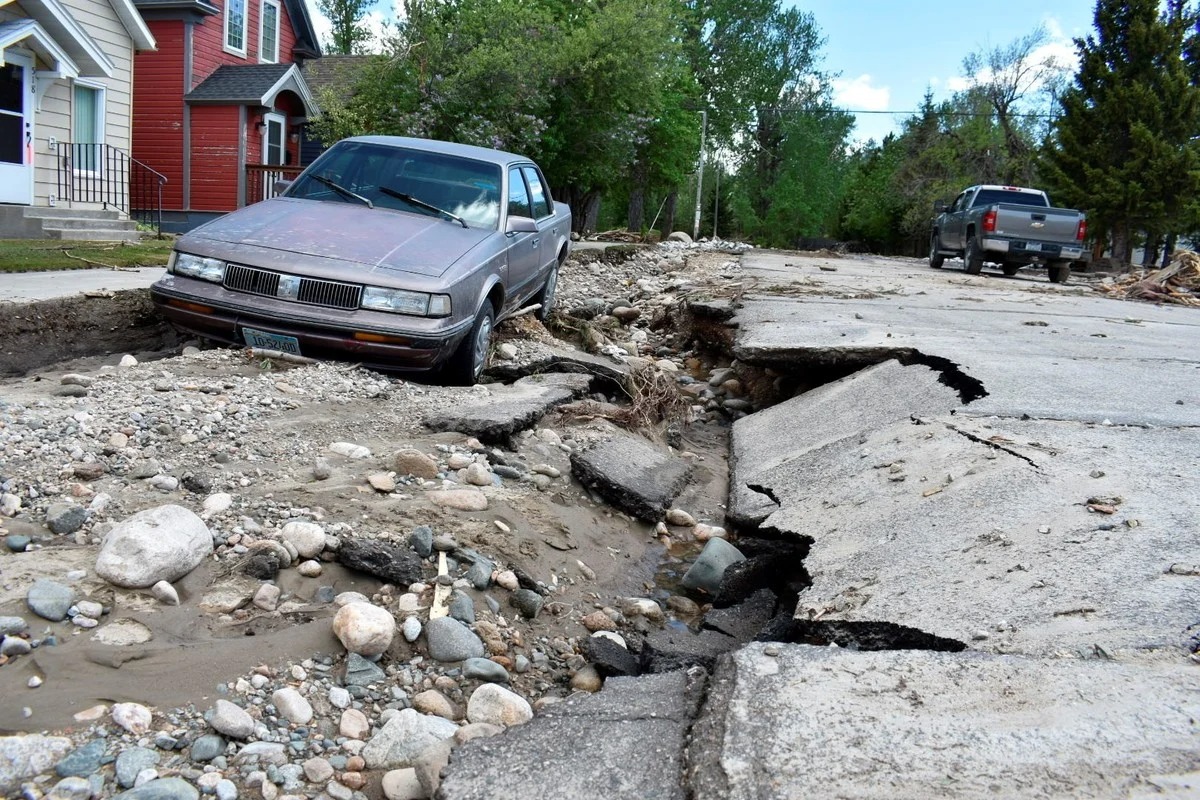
point(403, 738)
point(15, 646)
point(677, 516)
point(478, 474)
point(705, 574)
point(389, 562)
point(383, 482)
point(364, 628)
point(480, 573)
point(207, 747)
point(165, 593)
point(496, 705)
point(161, 789)
point(133, 717)
point(484, 669)
point(450, 640)
point(361, 671)
point(354, 724)
point(231, 720)
point(527, 602)
point(49, 599)
point(431, 701)
point(459, 499)
point(411, 629)
point(82, 761)
point(73, 788)
point(350, 450)
point(133, 760)
point(25, 757)
point(411, 461)
point(402, 784)
point(307, 537)
point(292, 706)
point(159, 544)
point(461, 607)
point(421, 540)
point(63, 518)
point(267, 597)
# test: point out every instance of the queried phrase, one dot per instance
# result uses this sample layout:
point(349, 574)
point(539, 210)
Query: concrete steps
point(81, 224)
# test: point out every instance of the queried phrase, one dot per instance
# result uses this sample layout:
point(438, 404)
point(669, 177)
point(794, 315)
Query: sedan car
point(394, 252)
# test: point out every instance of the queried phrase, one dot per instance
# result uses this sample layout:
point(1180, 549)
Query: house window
point(268, 45)
point(235, 26)
point(87, 127)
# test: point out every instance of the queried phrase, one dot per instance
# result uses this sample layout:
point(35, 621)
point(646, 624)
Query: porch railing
point(260, 180)
point(101, 173)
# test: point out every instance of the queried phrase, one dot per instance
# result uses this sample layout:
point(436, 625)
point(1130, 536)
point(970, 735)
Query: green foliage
point(1124, 148)
point(349, 35)
point(871, 212)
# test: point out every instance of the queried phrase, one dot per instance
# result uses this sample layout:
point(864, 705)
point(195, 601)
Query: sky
point(888, 52)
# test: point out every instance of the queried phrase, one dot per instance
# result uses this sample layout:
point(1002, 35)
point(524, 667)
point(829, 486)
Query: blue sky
point(889, 51)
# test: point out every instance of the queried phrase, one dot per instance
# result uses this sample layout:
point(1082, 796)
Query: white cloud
point(378, 21)
point(858, 93)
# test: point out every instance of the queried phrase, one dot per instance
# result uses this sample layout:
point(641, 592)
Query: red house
point(221, 97)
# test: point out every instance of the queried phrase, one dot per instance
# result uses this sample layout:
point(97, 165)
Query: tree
point(1123, 148)
point(350, 34)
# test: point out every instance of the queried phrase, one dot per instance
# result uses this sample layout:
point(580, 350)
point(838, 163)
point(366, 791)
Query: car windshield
point(383, 174)
point(988, 196)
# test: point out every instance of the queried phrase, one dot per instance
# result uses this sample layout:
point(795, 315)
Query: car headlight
point(401, 301)
point(206, 269)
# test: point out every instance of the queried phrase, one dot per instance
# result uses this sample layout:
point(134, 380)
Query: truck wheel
point(973, 257)
point(1011, 269)
point(936, 259)
point(466, 366)
point(1059, 271)
point(547, 295)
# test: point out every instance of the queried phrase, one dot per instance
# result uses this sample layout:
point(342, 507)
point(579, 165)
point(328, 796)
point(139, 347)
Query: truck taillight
point(1081, 231)
point(989, 220)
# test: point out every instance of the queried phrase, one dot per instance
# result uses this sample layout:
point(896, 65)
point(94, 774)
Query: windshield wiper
point(343, 191)
point(408, 198)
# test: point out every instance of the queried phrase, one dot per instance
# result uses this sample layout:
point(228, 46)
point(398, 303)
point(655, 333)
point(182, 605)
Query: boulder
point(364, 628)
point(158, 544)
point(404, 737)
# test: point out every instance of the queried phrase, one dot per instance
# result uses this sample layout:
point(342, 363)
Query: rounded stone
point(354, 724)
point(158, 544)
point(431, 701)
point(133, 760)
point(207, 747)
point(411, 629)
point(307, 537)
point(364, 628)
point(411, 461)
point(706, 572)
point(496, 705)
point(231, 720)
point(292, 706)
point(50, 600)
point(451, 640)
point(133, 717)
point(677, 516)
point(402, 784)
point(587, 680)
point(484, 669)
point(527, 602)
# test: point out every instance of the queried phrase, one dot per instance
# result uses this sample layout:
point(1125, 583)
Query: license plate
point(1032, 246)
point(271, 341)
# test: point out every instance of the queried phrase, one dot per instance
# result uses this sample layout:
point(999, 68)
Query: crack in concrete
point(974, 437)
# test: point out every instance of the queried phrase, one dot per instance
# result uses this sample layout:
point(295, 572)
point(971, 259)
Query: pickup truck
point(1008, 225)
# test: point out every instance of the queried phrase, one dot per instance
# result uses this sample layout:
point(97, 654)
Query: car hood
point(378, 238)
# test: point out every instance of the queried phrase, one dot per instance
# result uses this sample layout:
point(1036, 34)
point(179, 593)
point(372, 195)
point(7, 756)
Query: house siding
point(158, 108)
point(209, 43)
point(216, 135)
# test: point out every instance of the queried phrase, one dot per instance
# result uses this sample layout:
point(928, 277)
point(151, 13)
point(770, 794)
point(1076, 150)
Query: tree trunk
point(637, 198)
point(585, 208)
point(1120, 242)
point(1169, 248)
point(668, 214)
point(1150, 251)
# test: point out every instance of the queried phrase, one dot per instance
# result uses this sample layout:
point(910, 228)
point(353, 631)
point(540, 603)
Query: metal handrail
point(100, 173)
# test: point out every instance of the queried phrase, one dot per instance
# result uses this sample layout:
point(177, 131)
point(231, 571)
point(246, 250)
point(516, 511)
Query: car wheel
point(973, 257)
point(936, 259)
point(547, 295)
point(1011, 269)
point(466, 366)
point(1059, 271)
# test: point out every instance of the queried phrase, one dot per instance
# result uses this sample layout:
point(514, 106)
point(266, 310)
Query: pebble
point(484, 669)
point(207, 747)
point(354, 724)
point(307, 537)
point(493, 704)
point(267, 597)
point(431, 701)
point(677, 516)
point(310, 568)
point(364, 629)
point(703, 532)
point(321, 470)
point(527, 602)
point(350, 450)
point(478, 475)
point(451, 640)
point(411, 461)
point(231, 720)
point(49, 599)
point(133, 717)
point(63, 518)
point(165, 593)
point(587, 680)
point(131, 761)
point(402, 784)
point(384, 482)
point(411, 629)
point(292, 706)
point(82, 761)
point(507, 579)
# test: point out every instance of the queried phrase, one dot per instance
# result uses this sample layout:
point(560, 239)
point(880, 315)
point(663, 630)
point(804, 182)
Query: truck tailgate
point(1037, 224)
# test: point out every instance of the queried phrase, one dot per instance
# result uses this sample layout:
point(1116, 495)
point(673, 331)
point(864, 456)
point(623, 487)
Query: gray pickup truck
point(1010, 226)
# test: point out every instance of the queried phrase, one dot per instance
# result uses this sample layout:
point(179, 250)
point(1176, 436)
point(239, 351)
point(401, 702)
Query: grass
point(40, 255)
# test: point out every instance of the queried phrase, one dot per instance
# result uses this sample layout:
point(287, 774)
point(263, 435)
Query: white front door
point(16, 129)
point(272, 149)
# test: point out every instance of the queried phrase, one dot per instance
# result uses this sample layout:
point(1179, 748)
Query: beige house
point(66, 84)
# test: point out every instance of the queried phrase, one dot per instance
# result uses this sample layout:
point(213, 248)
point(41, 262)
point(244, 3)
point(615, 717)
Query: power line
point(803, 110)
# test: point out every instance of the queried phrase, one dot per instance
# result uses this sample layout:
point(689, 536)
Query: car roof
point(1009, 188)
point(445, 148)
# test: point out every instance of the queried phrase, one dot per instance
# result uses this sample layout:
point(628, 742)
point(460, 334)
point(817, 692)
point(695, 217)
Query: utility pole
point(700, 173)
point(716, 199)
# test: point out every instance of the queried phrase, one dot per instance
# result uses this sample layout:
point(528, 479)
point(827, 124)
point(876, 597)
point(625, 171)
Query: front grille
point(331, 294)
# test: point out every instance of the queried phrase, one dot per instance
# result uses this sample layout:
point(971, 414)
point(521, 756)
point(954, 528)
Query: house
point(218, 107)
point(66, 75)
point(332, 78)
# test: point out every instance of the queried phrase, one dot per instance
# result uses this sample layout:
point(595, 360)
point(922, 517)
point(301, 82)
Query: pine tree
point(1123, 148)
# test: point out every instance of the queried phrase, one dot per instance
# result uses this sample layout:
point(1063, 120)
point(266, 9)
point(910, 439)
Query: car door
point(523, 248)
point(952, 232)
point(550, 231)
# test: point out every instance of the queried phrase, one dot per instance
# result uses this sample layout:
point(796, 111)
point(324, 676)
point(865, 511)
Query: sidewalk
point(26, 286)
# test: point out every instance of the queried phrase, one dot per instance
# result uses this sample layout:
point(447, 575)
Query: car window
point(518, 195)
point(538, 194)
point(379, 172)
point(988, 196)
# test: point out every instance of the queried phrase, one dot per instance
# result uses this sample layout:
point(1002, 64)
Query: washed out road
point(1002, 506)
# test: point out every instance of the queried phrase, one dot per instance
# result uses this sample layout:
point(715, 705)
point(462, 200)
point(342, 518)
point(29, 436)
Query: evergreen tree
point(1123, 149)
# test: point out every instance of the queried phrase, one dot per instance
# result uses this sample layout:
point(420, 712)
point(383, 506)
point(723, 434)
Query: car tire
point(548, 294)
point(973, 257)
point(936, 259)
point(1011, 269)
point(470, 359)
point(1059, 271)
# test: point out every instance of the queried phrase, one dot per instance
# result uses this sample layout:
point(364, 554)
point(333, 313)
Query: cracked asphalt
point(1050, 527)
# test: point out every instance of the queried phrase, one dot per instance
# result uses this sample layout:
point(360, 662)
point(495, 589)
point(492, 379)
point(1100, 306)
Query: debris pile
point(1178, 283)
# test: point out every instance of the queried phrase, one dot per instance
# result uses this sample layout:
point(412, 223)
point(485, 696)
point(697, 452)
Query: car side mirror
point(520, 225)
point(281, 185)
point(939, 206)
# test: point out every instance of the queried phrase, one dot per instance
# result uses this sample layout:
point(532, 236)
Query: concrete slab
point(632, 474)
point(824, 722)
point(26, 286)
point(624, 743)
point(841, 410)
point(512, 408)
